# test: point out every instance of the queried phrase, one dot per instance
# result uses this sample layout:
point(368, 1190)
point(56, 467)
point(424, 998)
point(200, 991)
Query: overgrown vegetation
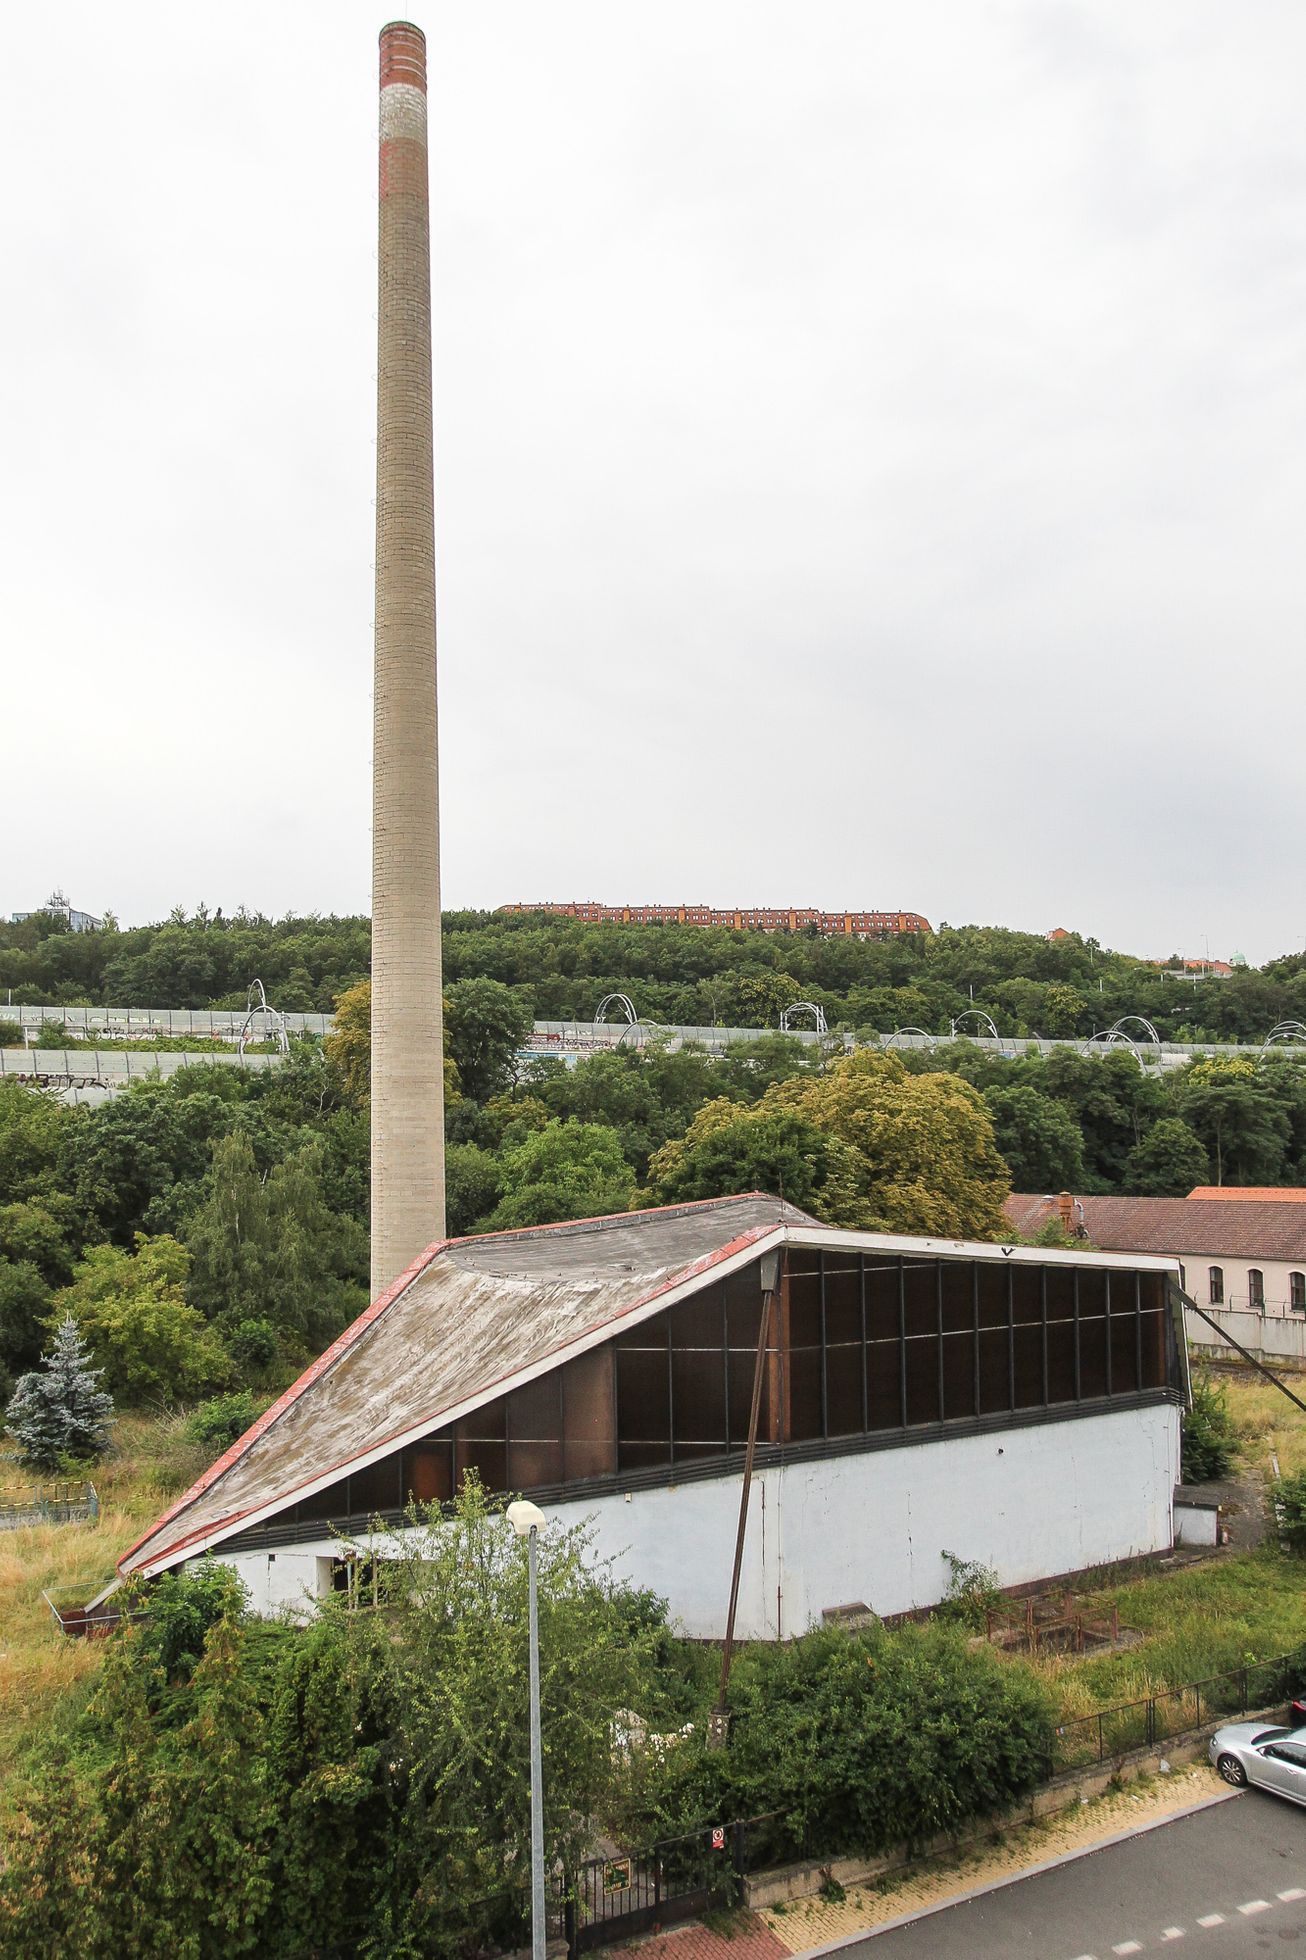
point(233, 1786)
point(1210, 1435)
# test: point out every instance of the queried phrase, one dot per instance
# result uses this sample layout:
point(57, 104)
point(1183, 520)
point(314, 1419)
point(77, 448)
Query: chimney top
point(403, 55)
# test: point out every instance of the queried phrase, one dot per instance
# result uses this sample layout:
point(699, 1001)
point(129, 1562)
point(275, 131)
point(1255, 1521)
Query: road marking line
point(1211, 1919)
point(1293, 1892)
point(1255, 1905)
point(1173, 1933)
point(1128, 1946)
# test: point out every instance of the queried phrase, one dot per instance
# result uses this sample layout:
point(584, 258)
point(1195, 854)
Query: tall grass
point(150, 1462)
point(1204, 1619)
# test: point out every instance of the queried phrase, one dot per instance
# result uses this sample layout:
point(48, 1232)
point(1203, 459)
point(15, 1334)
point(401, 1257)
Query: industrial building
point(1241, 1255)
point(1005, 1404)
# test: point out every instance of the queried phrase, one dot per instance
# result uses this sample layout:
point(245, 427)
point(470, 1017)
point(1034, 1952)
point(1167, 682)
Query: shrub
point(865, 1740)
point(11, 1035)
point(220, 1420)
point(252, 1344)
point(1290, 1500)
point(1210, 1435)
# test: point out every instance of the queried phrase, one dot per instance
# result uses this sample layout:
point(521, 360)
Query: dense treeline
point(560, 968)
point(208, 1232)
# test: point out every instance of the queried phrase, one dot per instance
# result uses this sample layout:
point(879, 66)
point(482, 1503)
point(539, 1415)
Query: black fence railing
point(1140, 1724)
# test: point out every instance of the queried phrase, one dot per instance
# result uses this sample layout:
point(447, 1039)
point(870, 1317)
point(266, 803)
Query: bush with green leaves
point(1290, 1504)
point(1210, 1435)
point(59, 1410)
point(864, 1740)
point(218, 1422)
point(132, 1309)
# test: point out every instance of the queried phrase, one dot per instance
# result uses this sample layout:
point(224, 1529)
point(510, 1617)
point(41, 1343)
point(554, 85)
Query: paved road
point(1209, 1885)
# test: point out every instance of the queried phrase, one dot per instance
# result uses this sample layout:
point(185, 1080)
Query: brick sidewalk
point(779, 1932)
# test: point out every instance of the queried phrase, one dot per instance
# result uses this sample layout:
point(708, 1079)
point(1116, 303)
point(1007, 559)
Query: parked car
point(1272, 1759)
point(1297, 1711)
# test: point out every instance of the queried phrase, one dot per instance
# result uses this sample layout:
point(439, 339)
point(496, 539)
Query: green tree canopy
point(1037, 1137)
point(485, 1024)
point(565, 1170)
point(131, 1309)
point(1169, 1161)
point(271, 1249)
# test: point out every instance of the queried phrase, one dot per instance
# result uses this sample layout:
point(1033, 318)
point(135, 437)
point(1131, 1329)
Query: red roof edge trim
point(694, 1270)
point(315, 1370)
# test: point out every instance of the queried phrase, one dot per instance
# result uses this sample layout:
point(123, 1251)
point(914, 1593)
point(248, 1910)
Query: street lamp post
point(526, 1519)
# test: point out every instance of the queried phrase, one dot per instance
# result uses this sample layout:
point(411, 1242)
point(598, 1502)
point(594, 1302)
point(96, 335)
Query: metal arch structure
point(1118, 1036)
point(634, 1031)
point(1290, 1033)
point(258, 1006)
point(985, 1020)
point(803, 1007)
point(1117, 1029)
point(926, 1037)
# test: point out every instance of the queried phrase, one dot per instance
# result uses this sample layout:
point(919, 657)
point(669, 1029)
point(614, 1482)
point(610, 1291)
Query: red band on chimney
point(403, 55)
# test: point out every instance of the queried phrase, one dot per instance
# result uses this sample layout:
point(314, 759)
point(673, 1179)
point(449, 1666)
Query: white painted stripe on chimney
point(403, 112)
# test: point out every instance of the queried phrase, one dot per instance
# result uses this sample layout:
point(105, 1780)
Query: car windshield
point(1269, 1735)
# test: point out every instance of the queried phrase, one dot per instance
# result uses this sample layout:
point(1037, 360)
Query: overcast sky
point(870, 457)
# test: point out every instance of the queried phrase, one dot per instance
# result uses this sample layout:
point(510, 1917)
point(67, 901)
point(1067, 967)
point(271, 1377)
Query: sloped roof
point(1259, 1228)
point(466, 1319)
point(1270, 1194)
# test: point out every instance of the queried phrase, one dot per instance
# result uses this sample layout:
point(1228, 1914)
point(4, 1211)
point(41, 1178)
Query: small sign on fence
point(718, 1837)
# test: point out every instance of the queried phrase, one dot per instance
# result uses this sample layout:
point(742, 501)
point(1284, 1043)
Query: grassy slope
point(37, 1663)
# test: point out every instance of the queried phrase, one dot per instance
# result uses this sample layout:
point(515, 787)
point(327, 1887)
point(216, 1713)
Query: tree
point(925, 1155)
point(1169, 1161)
point(728, 1148)
point(453, 1644)
point(60, 1410)
point(348, 1047)
point(130, 1307)
point(485, 1024)
point(1238, 1118)
point(271, 1249)
point(1039, 1139)
point(473, 1182)
point(566, 1170)
point(1209, 1444)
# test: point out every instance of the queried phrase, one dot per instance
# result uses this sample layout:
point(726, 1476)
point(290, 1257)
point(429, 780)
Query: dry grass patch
point(150, 1463)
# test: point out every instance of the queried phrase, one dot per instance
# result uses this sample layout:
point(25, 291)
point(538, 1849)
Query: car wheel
point(1232, 1771)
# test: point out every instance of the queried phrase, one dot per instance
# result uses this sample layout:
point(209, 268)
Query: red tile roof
point(1270, 1194)
point(1258, 1229)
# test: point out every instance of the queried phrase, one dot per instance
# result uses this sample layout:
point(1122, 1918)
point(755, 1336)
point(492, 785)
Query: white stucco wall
point(1196, 1270)
point(871, 1528)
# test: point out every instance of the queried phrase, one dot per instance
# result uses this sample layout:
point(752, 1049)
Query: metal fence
point(1141, 1724)
point(50, 1504)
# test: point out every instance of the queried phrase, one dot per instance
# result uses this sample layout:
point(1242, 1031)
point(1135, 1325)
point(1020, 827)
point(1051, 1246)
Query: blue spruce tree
point(59, 1409)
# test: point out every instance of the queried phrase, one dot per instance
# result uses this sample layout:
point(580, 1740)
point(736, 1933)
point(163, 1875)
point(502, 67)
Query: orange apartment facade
point(855, 925)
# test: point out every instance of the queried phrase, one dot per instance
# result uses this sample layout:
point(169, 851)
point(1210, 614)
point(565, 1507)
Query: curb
point(1015, 1878)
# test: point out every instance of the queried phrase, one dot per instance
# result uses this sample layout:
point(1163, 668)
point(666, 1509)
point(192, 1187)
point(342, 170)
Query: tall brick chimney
point(407, 1015)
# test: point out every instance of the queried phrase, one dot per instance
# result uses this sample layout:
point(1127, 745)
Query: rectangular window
point(1297, 1292)
point(1094, 1377)
point(1256, 1289)
point(1215, 1280)
point(589, 1440)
